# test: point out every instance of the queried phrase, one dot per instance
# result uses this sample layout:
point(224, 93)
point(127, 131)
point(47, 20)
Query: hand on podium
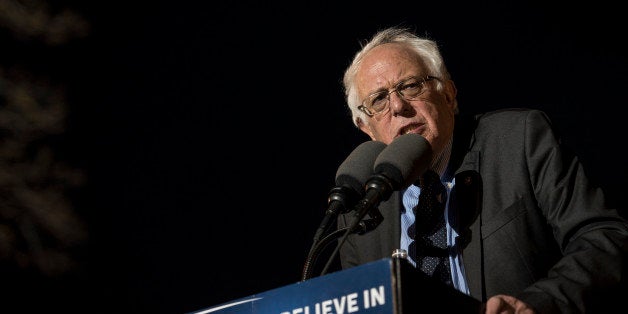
point(502, 303)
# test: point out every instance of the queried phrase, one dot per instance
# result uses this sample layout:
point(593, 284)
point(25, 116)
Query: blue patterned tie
point(429, 233)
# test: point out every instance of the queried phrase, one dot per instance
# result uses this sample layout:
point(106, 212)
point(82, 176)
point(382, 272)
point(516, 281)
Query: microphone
point(400, 164)
point(351, 177)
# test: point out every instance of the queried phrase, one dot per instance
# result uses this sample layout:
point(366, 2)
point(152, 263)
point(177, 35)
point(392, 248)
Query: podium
point(387, 286)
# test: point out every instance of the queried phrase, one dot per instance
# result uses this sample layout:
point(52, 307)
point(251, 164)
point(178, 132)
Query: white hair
point(426, 49)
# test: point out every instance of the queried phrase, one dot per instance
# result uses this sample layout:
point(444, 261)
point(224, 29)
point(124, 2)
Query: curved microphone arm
point(363, 227)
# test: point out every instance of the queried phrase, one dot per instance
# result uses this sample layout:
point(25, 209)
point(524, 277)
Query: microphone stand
point(359, 227)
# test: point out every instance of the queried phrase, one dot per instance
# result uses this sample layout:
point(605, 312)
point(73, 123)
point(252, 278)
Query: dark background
point(210, 132)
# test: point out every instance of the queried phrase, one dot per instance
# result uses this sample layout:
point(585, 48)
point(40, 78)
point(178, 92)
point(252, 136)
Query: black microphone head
point(357, 168)
point(404, 160)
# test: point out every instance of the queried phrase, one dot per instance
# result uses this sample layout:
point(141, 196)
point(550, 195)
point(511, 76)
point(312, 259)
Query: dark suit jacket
point(531, 224)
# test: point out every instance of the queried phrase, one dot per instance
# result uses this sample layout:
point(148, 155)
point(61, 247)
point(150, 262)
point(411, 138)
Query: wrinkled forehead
point(386, 65)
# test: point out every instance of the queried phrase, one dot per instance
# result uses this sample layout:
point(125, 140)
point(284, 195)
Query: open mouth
point(411, 128)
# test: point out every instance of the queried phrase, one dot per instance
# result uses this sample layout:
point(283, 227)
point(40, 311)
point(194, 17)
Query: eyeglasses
point(409, 89)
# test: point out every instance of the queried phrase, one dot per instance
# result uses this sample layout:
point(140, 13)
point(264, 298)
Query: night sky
point(211, 132)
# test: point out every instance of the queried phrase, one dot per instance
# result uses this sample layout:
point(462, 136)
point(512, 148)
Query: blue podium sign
point(385, 286)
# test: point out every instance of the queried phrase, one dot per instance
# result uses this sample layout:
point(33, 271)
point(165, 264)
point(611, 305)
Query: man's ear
point(450, 92)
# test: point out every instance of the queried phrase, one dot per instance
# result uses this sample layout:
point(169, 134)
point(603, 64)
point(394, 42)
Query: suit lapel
point(465, 201)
